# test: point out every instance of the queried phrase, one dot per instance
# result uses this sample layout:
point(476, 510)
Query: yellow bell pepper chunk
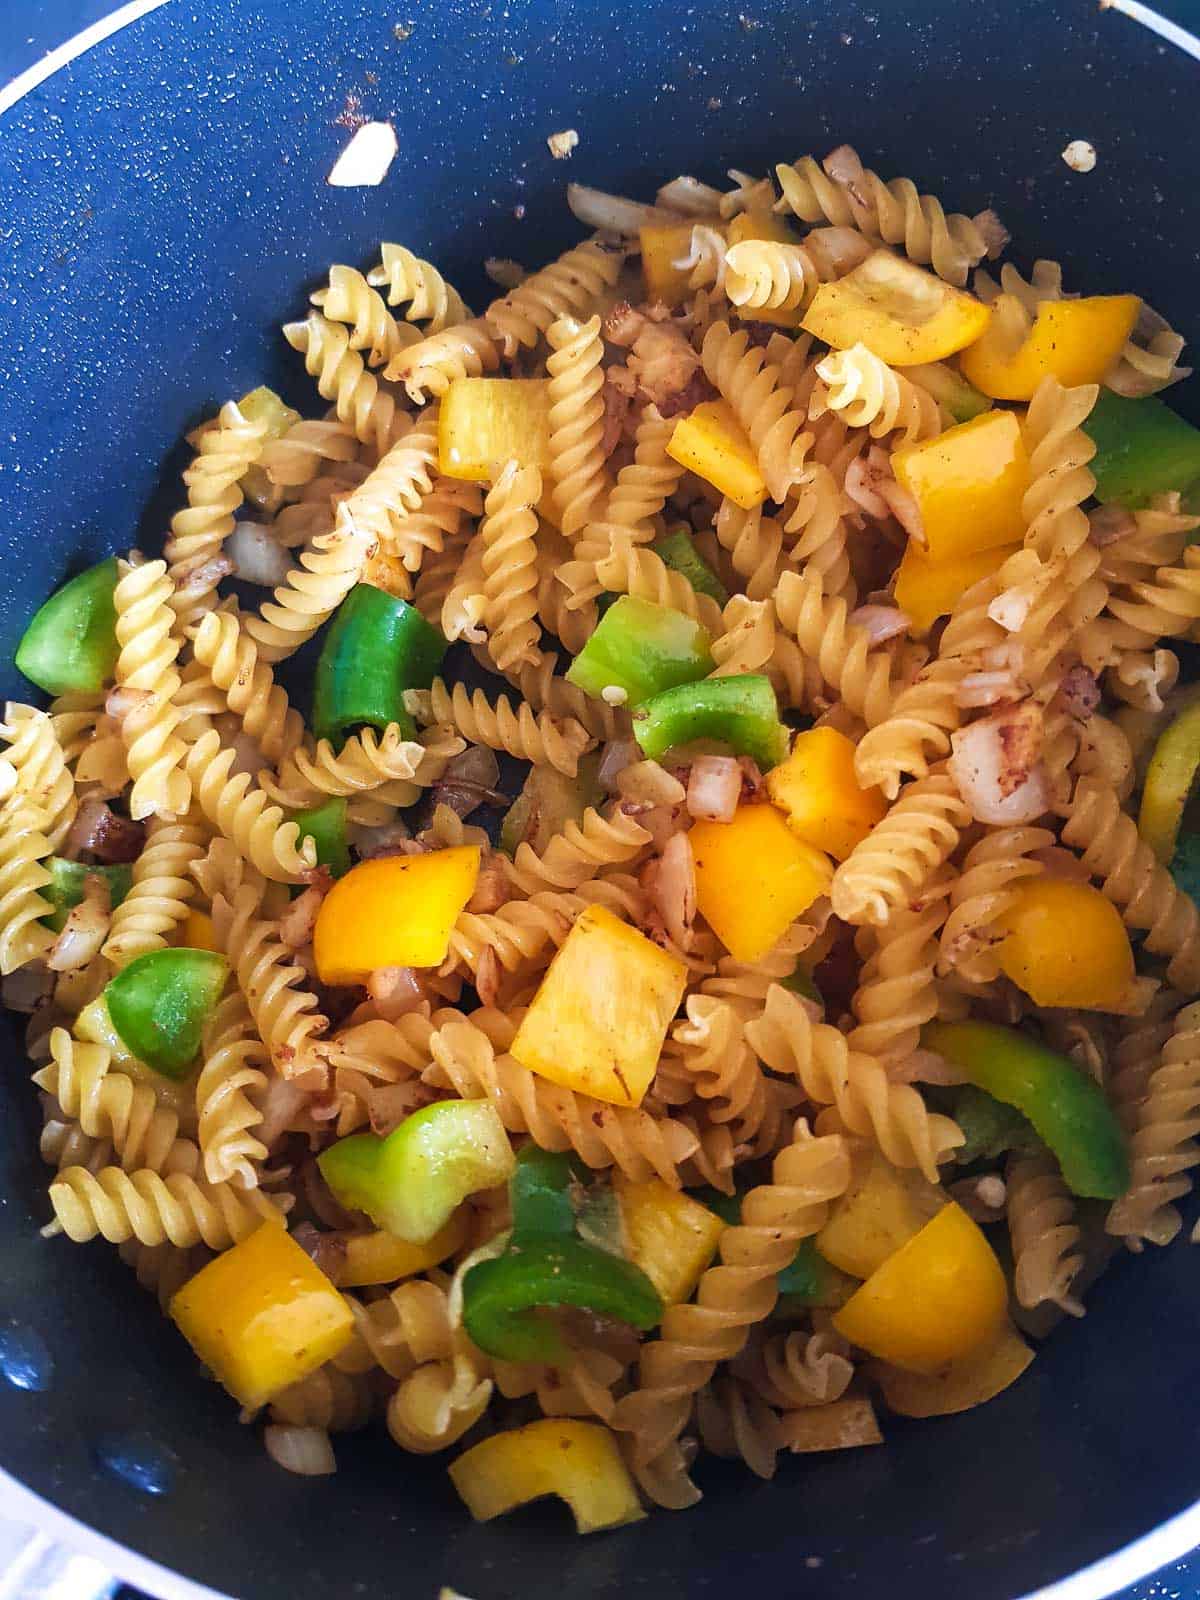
point(816, 789)
point(262, 1316)
point(903, 314)
point(712, 443)
point(672, 1237)
point(196, 932)
point(383, 1258)
point(959, 1386)
point(940, 1298)
point(600, 1015)
point(968, 483)
point(766, 225)
point(754, 877)
point(663, 244)
point(1066, 945)
point(880, 1212)
point(397, 911)
point(577, 1461)
point(1075, 341)
point(485, 422)
point(927, 589)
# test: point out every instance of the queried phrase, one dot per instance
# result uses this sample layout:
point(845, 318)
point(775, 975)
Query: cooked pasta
point(846, 818)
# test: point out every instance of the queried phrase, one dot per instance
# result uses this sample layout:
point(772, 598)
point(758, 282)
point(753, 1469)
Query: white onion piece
point(613, 212)
point(714, 788)
point(673, 888)
point(995, 234)
point(395, 991)
point(297, 923)
point(202, 580)
point(280, 1104)
point(693, 198)
point(837, 251)
point(118, 703)
point(256, 555)
point(995, 763)
point(862, 488)
point(365, 160)
point(388, 838)
point(85, 929)
point(926, 1066)
point(843, 165)
point(880, 623)
point(306, 1451)
point(618, 754)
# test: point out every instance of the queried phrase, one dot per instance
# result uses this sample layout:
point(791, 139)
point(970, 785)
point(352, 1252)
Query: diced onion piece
point(257, 556)
point(995, 234)
point(618, 755)
point(562, 143)
point(995, 763)
point(1107, 524)
point(306, 1451)
point(613, 213)
point(85, 929)
point(880, 623)
point(691, 197)
point(837, 251)
point(395, 990)
point(648, 783)
point(1080, 156)
point(365, 161)
point(714, 788)
point(674, 888)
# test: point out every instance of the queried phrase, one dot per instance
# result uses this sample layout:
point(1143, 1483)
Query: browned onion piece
point(672, 888)
point(98, 830)
point(995, 763)
point(395, 991)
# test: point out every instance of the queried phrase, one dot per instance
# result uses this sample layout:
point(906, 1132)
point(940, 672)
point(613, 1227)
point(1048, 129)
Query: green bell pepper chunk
point(502, 1298)
point(740, 712)
point(961, 400)
point(1068, 1110)
point(802, 983)
point(677, 550)
point(540, 1194)
point(65, 889)
point(1169, 779)
point(376, 648)
point(1143, 448)
point(990, 1127)
point(325, 825)
point(70, 647)
point(160, 1001)
point(411, 1181)
point(641, 648)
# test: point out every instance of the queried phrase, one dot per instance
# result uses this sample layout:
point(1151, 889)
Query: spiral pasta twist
point(1045, 1238)
point(146, 666)
point(712, 1050)
point(408, 277)
point(567, 287)
point(747, 642)
point(177, 1209)
point(874, 397)
point(233, 1070)
point(925, 713)
point(860, 676)
point(894, 212)
point(817, 524)
point(508, 533)
point(224, 647)
point(224, 454)
point(630, 568)
point(639, 494)
point(992, 873)
point(1167, 607)
point(795, 1370)
point(387, 766)
point(541, 739)
point(313, 591)
point(294, 460)
point(1163, 1124)
point(338, 1402)
point(640, 1145)
point(831, 1074)
point(547, 690)
point(397, 485)
point(64, 1144)
point(705, 259)
point(1141, 888)
point(398, 1332)
point(342, 378)
point(284, 1013)
point(763, 404)
point(350, 299)
point(112, 1106)
point(23, 848)
point(767, 273)
point(579, 852)
point(161, 891)
point(162, 1269)
point(439, 569)
point(571, 625)
point(515, 934)
point(435, 1405)
point(896, 994)
point(731, 1298)
point(416, 536)
point(736, 1424)
point(754, 542)
point(430, 367)
point(888, 868)
point(43, 778)
point(75, 718)
point(576, 419)
point(744, 985)
point(244, 814)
